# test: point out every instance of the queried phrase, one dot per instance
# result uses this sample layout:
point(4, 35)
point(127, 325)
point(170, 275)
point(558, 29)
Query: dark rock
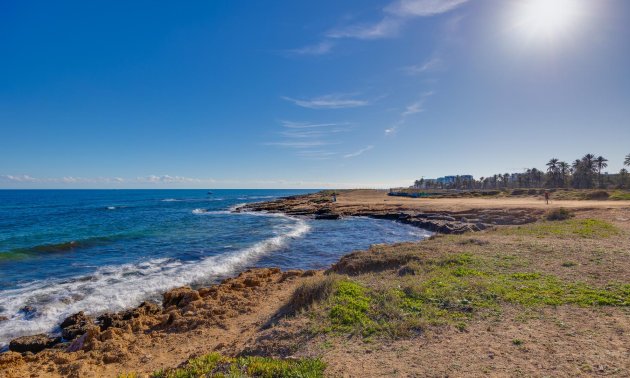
point(180, 297)
point(77, 318)
point(28, 312)
point(3, 318)
point(329, 216)
point(109, 320)
point(148, 308)
point(33, 344)
point(75, 325)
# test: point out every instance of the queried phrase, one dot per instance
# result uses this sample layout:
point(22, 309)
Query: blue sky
point(275, 94)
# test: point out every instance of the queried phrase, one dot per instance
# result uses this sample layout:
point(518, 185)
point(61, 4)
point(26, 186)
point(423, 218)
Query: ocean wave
point(61, 247)
point(114, 288)
point(192, 199)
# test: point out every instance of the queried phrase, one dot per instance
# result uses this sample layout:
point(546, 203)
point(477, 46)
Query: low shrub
point(558, 214)
point(312, 290)
point(598, 195)
point(216, 365)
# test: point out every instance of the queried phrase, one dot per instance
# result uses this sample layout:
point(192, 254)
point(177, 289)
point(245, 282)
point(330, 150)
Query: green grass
point(452, 290)
point(216, 365)
point(349, 309)
point(620, 196)
point(584, 228)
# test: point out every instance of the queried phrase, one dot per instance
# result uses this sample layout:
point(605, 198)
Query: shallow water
point(64, 251)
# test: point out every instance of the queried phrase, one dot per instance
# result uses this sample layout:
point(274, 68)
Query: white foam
point(111, 207)
point(114, 288)
point(192, 200)
point(199, 211)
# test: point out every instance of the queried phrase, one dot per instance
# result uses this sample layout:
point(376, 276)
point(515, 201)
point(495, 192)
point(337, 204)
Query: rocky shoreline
point(113, 337)
point(106, 338)
point(322, 206)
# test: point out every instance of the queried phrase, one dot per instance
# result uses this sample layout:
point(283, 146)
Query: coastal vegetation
point(587, 172)
point(214, 365)
point(473, 280)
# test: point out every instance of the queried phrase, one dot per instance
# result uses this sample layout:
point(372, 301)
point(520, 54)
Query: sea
point(65, 251)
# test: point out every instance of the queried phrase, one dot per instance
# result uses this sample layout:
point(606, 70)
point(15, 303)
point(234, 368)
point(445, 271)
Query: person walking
point(547, 197)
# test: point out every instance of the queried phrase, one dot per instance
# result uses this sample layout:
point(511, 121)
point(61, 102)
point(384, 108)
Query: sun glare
point(547, 19)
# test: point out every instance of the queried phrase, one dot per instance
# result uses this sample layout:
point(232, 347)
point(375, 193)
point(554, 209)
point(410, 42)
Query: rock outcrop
point(321, 206)
point(33, 344)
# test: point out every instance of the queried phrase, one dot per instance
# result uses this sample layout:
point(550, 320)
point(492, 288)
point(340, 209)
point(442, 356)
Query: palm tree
point(564, 169)
point(552, 170)
point(589, 161)
point(600, 163)
point(627, 161)
point(623, 177)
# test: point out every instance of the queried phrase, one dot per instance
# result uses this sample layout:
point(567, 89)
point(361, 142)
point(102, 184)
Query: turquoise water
point(64, 251)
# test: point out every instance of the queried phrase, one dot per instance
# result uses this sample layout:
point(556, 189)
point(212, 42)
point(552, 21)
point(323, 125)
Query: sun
point(547, 19)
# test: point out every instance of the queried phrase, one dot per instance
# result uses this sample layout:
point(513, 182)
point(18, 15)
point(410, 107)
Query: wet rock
point(180, 297)
point(330, 216)
point(28, 312)
point(109, 320)
point(75, 325)
point(3, 319)
point(33, 344)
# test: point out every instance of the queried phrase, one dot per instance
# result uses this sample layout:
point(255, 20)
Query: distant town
point(585, 173)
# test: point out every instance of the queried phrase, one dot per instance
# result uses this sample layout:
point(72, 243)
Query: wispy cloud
point(331, 101)
point(170, 179)
point(321, 48)
point(411, 109)
point(309, 140)
point(395, 16)
point(308, 125)
point(422, 8)
point(18, 178)
point(316, 154)
point(433, 64)
point(100, 180)
point(418, 106)
point(359, 152)
point(414, 108)
point(300, 144)
point(387, 27)
point(393, 129)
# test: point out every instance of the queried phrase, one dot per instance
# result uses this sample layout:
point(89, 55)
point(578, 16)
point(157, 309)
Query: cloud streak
point(358, 153)
point(321, 48)
point(395, 16)
point(433, 64)
point(411, 109)
point(422, 8)
point(331, 101)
